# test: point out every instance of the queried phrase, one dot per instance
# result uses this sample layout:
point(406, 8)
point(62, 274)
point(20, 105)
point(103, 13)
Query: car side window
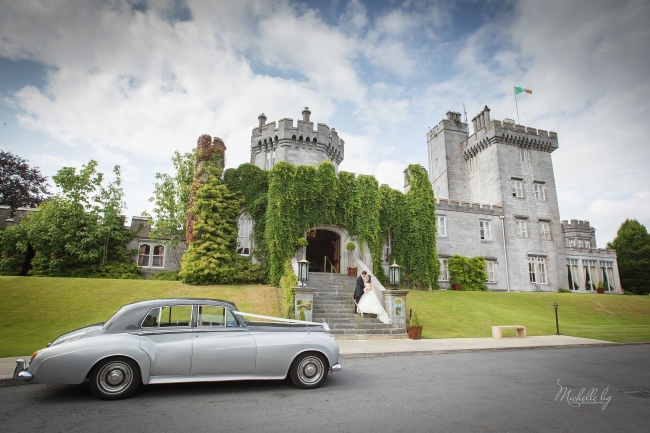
point(210, 315)
point(151, 320)
point(178, 315)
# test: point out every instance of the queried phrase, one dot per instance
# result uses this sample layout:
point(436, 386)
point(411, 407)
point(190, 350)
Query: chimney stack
point(262, 119)
point(305, 114)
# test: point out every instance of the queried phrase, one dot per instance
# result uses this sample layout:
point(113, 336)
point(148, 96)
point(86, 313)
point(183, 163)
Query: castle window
point(524, 155)
point(485, 229)
point(517, 188)
point(540, 191)
point(521, 228)
point(473, 165)
point(148, 260)
point(574, 274)
point(444, 270)
point(387, 248)
point(244, 237)
point(491, 271)
point(545, 230)
point(537, 270)
point(607, 270)
point(591, 277)
point(441, 225)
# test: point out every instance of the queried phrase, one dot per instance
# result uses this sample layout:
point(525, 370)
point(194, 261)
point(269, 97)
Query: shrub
point(118, 271)
point(288, 281)
point(562, 290)
point(301, 316)
point(167, 276)
point(414, 322)
point(470, 273)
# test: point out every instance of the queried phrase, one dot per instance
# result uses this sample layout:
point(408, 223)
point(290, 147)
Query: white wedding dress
point(370, 304)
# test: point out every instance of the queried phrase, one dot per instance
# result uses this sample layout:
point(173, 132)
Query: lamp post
point(303, 271)
point(393, 274)
point(557, 325)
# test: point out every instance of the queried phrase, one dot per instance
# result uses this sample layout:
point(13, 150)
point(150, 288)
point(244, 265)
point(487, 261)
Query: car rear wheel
point(115, 378)
point(308, 370)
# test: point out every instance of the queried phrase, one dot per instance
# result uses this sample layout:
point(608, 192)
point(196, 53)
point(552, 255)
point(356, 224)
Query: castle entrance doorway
point(323, 250)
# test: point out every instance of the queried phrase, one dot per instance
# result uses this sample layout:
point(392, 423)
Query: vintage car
point(184, 340)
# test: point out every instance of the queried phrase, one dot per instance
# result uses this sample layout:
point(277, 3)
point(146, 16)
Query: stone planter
point(415, 332)
point(600, 291)
point(352, 272)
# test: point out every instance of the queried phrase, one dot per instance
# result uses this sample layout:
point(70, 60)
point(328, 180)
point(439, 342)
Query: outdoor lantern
point(393, 274)
point(303, 270)
point(557, 325)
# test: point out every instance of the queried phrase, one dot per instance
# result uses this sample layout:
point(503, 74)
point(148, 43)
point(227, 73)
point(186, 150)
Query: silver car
point(184, 340)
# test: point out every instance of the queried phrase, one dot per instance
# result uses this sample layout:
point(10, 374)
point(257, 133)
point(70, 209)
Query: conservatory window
point(245, 225)
point(574, 274)
point(591, 277)
point(607, 270)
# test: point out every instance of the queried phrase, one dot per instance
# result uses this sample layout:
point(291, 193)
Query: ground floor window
point(387, 248)
point(607, 271)
point(151, 257)
point(444, 270)
point(574, 275)
point(491, 271)
point(591, 277)
point(245, 224)
point(537, 270)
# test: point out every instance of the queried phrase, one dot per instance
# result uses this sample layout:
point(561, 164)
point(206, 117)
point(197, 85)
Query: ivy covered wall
point(287, 201)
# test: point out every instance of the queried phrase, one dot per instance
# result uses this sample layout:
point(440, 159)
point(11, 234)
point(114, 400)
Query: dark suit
point(358, 290)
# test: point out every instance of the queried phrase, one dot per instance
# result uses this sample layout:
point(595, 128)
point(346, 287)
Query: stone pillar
point(305, 114)
point(395, 305)
point(304, 301)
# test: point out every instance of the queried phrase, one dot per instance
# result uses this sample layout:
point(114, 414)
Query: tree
point(20, 184)
point(632, 245)
point(172, 197)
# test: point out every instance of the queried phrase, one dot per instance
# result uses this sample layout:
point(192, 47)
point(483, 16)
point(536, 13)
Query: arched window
point(143, 257)
point(149, 257)
point(244, 238)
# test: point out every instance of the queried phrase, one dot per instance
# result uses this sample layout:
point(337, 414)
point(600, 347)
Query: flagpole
point(515, 92)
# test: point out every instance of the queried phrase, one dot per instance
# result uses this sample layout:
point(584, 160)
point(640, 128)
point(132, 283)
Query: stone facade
point(518, 231)
point(155, 254)
point(299, 145)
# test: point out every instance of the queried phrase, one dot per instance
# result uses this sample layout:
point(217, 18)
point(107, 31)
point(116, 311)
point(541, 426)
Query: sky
point(128, 82)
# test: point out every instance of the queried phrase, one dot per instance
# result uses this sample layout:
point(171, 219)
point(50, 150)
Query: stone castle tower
point(299, 145)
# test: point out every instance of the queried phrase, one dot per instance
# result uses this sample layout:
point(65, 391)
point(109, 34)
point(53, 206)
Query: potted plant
point(600, 289)
point(414, 327)
point(302, 242)
point(352, 270)
point(455, 282)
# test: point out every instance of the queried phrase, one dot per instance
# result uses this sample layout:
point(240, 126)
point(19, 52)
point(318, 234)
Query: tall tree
point(20, 184)
point(632, 245)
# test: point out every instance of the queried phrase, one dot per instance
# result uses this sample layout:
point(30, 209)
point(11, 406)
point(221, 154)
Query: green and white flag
point(519, 90)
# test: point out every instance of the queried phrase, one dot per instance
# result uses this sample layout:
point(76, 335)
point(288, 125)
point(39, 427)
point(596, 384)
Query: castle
point(496, 198)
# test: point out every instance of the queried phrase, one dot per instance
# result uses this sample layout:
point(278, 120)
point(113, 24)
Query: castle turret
point(300, 144)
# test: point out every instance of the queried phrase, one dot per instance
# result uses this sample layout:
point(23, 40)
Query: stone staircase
point(331, 304)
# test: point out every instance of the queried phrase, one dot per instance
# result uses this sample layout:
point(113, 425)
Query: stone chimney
point(305, 114)
point(262, 119)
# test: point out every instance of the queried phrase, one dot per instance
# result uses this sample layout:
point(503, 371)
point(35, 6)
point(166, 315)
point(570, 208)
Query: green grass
point(34, 311)
point(451, 314)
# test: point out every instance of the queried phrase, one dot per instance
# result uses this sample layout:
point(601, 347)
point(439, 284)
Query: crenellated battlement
point(303, 144)
point(460, 206)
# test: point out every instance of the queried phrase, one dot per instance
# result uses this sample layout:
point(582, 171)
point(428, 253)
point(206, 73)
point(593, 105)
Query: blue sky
point(128, 82)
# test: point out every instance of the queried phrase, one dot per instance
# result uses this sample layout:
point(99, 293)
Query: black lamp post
point(393, 274)
point(303, 271)
point(557, 325)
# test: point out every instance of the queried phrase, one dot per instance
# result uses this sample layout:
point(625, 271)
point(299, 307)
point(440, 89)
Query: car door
point(167, 339)
point(220, 345)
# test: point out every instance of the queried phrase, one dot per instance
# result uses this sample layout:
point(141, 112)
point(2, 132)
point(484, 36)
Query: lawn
point(451, 314)
point(34, 311)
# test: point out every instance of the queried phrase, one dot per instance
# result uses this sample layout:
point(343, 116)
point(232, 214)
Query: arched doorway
point(322, 244)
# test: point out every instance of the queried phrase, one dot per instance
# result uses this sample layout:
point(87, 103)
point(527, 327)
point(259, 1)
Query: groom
point(358, 290)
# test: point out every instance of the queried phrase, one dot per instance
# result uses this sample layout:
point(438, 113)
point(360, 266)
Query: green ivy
point(288, 281)
point(471, 274)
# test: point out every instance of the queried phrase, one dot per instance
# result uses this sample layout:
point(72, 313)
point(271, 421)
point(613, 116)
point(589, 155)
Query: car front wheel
point(115, 378)
point(308, 370)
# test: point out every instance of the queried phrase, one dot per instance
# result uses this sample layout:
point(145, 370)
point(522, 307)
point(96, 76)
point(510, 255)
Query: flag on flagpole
point(519, 90)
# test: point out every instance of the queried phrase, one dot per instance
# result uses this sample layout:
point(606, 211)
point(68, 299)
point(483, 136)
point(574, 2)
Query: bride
point(369, 302)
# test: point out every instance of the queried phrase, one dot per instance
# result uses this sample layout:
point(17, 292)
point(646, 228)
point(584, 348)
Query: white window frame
point(441, 225)
point(150, 255)
point(524, 155)
point(491, 271)
point(521, 227)
point(537, 270)
point(607, 272)
point(540, 191)
point(444, 270)
point(573, 273)
point(246, 237)
point(590, 272)
point(517, 188)
point(532, 275)
point(545, 230)
point(485, 230)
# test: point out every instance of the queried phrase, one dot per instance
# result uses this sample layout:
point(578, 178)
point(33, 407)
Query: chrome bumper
point(21, 372)
point(336, 367)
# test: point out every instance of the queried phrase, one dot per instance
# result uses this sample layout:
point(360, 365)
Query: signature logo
point(583, 396)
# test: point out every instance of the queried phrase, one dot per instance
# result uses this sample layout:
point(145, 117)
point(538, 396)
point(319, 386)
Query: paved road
point(510, 391)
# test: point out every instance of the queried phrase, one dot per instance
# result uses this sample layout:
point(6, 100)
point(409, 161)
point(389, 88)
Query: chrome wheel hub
point(114, 377)
point(310, 369)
